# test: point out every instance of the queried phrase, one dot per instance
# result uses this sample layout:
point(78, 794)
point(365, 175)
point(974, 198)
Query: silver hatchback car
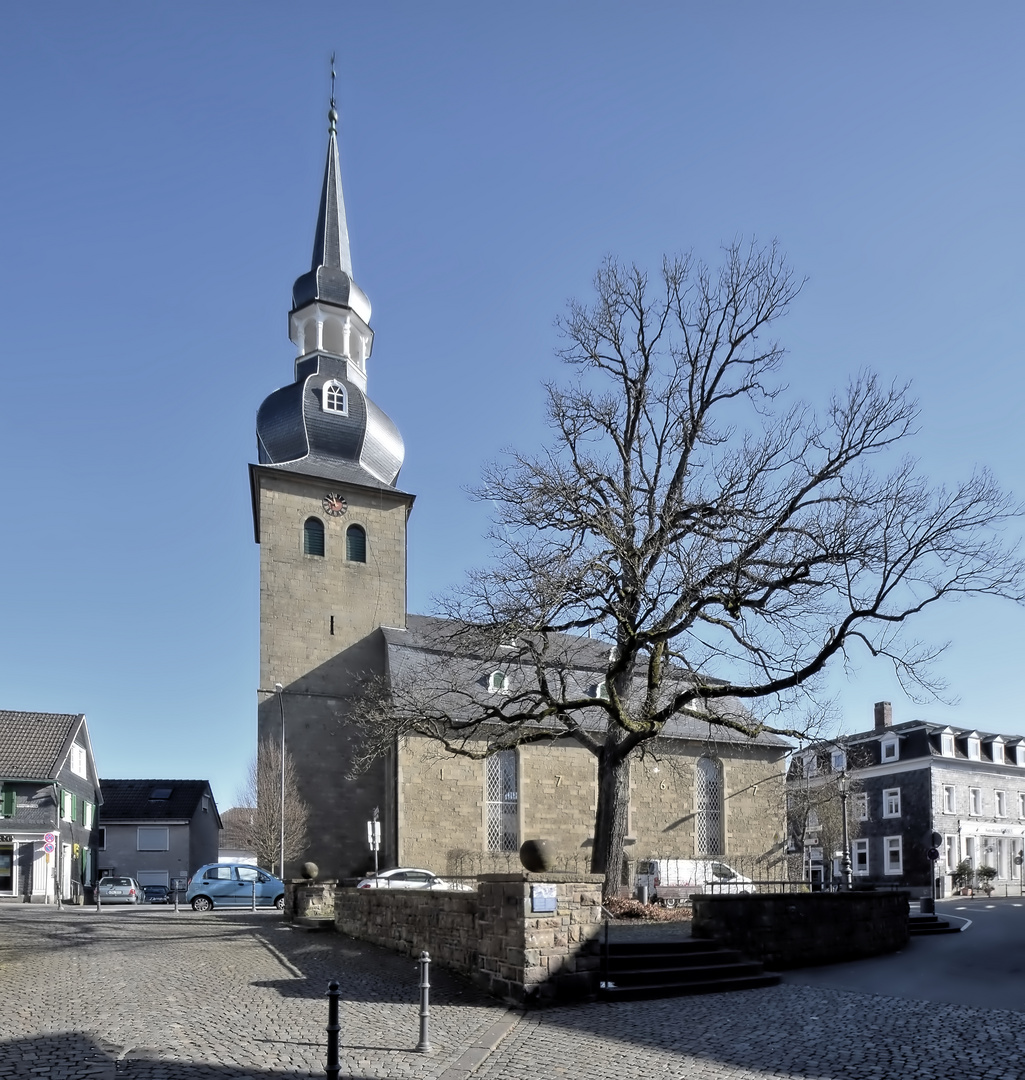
point(119, 890)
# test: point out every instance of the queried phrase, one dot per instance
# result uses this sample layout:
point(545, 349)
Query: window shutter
point(74, 808)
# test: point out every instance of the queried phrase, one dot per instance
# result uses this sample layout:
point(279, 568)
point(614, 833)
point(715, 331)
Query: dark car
point(156, 894)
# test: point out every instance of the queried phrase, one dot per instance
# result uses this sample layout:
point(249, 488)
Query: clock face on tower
point(334, 505)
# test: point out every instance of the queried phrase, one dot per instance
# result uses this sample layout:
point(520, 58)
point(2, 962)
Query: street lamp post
point(281, 710)
point(845, 860)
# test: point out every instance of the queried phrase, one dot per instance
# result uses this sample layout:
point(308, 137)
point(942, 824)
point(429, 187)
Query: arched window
point(334, 397)
point(501, 797)
point(356, 544)
point(708, 806)
point(602, 691)
point(313, 537)
point(498, 683)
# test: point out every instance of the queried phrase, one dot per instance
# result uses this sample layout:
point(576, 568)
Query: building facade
point(924, 798)
point(158, 831)
point(49, 794)
point(331, 521)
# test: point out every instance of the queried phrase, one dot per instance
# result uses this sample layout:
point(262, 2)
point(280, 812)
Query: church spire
point(331, 241)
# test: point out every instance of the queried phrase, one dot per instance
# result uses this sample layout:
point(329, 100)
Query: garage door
point(153, 877)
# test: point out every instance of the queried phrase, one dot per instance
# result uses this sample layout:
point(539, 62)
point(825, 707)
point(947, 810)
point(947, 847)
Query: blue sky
point(161, 166)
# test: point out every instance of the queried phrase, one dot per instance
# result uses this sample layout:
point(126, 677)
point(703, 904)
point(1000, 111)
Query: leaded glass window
point(708, 797)
point(501, 797)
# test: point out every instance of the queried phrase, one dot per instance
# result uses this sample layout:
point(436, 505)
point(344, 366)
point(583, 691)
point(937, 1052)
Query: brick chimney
point(884, 715)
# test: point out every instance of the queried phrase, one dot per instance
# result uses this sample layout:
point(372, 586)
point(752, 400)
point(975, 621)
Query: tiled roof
point(133, 799)
point(33, 744)
point(415, 654)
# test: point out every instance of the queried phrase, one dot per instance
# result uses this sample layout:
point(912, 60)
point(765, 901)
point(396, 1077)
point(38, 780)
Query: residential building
point(236, 837)
point(921, 788)
point(331, 524)
point(49, 795)
point(158, 831)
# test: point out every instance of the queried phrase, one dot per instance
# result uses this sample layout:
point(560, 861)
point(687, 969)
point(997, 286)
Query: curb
point(472, 1057)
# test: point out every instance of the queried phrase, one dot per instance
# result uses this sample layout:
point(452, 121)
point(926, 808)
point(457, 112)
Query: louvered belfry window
point(708, 799)
point(502, 801)
point(355, 544)
point(313, 537)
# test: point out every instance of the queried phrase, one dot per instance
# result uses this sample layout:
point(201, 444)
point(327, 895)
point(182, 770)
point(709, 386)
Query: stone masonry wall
point(788, 930)
point(442, 814)
point(409, 921)
point(528, 957)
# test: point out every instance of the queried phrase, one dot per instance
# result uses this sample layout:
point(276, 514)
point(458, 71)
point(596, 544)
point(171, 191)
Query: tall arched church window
point(356, 544)
point(313, 537)
point(502, 800)
point(708, 797)
point(334, 399)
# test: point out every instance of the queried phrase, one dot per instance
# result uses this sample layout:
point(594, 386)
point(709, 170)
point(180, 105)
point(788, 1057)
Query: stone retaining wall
point(800, 929)
point(494, 935)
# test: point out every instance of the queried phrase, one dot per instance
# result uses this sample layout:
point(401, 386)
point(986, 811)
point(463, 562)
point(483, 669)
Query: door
point(222, 885)
point(6, 869)
point(65, 871)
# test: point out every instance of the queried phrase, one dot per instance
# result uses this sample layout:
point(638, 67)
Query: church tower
point(331, 525)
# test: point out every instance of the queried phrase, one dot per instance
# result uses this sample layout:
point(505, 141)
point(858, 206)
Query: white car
point(405, 877)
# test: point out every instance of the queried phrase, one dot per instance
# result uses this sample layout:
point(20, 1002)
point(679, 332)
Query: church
point(330, 518)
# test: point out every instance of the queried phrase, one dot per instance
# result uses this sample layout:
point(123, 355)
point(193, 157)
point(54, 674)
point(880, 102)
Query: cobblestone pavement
point(153, 996)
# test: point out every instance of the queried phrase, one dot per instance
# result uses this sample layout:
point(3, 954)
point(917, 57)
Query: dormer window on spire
point(335, 399)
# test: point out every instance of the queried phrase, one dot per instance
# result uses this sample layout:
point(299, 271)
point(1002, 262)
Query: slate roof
point(413, 654)
point(133, 799)
point(34, 745)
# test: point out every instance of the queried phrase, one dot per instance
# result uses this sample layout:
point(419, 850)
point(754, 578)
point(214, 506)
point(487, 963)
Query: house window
point(811, 765)
point(334, 398)
point(893, 855)
point(974, 748)
point(975, 801)
point(1000, 803)
point(891, 750)
point(152, 838)
point(1021, 804)
point(708, 796)
point(891, 802)
point(355, 544)
point(497, 683)
point(949, 799)
point(313, 537)
point(601, 690)
point(861, 806)
point(861, 856)
point(950, 851)
point(68, 806)
point(501, 796)
point(8, 801)
point(77, 759)
point(1019, 754)
point(839, 759)
point(947, 744)
point(101, 842)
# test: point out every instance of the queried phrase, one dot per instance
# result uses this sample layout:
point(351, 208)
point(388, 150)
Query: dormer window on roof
point(1019, 754)
point(947, 743)
point(996, 750)
point(839, 760)
point(334, 399)
point(890, 749)
point(974, 748)
point(498, 683)
point(601, 690)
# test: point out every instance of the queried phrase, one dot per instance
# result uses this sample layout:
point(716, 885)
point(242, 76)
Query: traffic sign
point(49, 838)
point(933, 854)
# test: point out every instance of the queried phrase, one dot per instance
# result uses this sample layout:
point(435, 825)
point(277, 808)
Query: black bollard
point(424, 1045)
point(333, 1027)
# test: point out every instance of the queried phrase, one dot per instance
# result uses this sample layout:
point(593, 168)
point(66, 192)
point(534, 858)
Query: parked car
point(119, 890)
point(231, 885)
point(156, 894)
point(672, 881)
point(404, 877)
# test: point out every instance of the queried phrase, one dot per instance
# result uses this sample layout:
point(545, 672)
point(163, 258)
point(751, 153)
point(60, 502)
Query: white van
point(672, 881)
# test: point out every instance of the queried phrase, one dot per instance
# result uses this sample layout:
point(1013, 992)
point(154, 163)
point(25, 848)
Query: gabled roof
point(415, 653)
point(35, 745)
point(153, 800)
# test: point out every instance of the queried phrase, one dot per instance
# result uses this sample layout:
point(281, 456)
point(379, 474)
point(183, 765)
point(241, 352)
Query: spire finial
point(332, 115)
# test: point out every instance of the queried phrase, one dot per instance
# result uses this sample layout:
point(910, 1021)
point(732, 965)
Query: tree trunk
point(612, 814)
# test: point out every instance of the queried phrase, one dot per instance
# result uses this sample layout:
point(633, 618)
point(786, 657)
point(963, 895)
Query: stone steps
point(920, 925)
point(633, 970)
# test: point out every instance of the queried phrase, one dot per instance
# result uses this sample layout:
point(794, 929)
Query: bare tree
point(260, 830)
point(700, 526)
